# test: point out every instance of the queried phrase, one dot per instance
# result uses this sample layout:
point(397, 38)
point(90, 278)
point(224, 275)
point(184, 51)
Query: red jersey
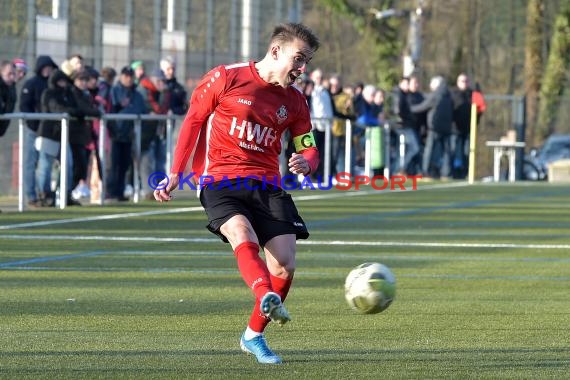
point(234, 125)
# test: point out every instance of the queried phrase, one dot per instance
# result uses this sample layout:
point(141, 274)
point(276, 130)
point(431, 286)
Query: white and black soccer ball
point(370, 288)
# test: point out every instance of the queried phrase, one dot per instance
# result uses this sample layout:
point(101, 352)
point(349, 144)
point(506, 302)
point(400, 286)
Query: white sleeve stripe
point(236, 65)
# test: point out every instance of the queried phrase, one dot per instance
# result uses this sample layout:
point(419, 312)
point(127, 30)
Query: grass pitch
point(144, 291)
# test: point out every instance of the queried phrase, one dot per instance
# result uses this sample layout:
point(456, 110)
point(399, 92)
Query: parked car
point(556, 147)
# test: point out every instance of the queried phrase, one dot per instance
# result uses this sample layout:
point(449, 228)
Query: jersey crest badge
point(282, 114)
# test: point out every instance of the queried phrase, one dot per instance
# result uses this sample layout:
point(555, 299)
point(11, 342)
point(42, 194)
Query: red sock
point(257, 321)
point(253, 269)
point(281, 286)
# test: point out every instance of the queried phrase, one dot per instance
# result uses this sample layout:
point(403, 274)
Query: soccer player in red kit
point(232, 136)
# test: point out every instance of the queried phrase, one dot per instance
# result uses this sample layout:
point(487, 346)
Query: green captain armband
point(304, 141)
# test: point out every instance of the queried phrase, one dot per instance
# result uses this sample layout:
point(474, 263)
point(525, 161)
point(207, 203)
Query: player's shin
point(253, 269)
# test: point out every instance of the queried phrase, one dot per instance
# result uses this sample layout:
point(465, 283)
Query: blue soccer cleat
point(258, 347)
point(272, 307)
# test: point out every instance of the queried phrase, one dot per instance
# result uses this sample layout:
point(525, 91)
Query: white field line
point(157, 239)
point(98, 218)
point(199, 208)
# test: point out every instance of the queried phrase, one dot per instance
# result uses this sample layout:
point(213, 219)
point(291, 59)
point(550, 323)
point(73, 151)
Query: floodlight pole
point(412, 51)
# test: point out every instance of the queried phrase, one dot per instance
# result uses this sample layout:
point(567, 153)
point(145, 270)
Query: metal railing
point(64, 118)
point(137, 119)
point(170, 123)
point(22, 117)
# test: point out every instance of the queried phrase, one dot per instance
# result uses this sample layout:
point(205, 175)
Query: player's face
point(292, 60)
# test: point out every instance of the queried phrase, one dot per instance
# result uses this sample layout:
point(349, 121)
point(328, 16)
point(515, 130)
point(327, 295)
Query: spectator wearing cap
point(30, 102)
point(80, 131)
point(178, 95)
point(21, 68)
point(7, 92)
point(125, 99)
point(139, 70)
point(153, 137)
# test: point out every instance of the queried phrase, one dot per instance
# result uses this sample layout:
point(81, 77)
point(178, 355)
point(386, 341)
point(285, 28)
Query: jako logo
point(244, 101)
point(259, 280)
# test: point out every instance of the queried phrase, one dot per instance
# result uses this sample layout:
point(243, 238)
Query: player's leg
point(241, 236)
point(254, 271)
point(280, 258)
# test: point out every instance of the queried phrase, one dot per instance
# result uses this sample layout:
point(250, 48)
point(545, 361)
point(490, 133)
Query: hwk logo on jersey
point(252, 132)
point(282, 114)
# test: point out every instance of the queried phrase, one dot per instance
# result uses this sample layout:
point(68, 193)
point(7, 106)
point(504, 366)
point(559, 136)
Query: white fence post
point(348, 147)
point(137, 161)
point(64, 150)
point(102, 158)
point(21, 144)
point(328, 141)
point(169, 128)
point(386, 150)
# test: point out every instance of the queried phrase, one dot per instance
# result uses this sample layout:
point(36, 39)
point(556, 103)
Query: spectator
point(343, 111)
point(419, 126)
point(401, 107)
point(108, 75)
point(56, 99)
point(21, 68)
point(439, 107)
point(139, 70)
point(366, 113)
point(357, 97)
point(463, 96)
point(178, 101)
point(30, 102)
point(153, 137)
point(73, 64)
point(379, 98)
point(125, 99)
point(80, 131)
point(7, 92)
point(405, 128)
point(76, 62)
point(322, 112)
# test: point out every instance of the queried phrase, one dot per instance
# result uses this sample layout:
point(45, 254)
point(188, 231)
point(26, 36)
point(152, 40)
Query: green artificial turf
point(483, 289)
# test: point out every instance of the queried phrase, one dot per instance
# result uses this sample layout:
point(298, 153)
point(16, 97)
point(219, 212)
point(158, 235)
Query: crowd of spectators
point(435, 125)
point(85, 93)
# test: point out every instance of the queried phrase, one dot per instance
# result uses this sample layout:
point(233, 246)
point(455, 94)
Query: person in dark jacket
point(462, 96)
point(401, 108)
point(8, 95)
point(125, 99)
point(30, 102)
point(415, 96)
point(178, 95)
point(80, 133)
point(439, 107)
point(56, 99)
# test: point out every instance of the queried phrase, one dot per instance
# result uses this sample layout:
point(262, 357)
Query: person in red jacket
point(232, 134)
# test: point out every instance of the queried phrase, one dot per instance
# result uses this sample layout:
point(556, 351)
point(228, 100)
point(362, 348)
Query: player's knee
point(283, 269)
point(238, 231)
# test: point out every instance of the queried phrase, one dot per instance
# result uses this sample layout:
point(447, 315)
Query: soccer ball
point(370, 288)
